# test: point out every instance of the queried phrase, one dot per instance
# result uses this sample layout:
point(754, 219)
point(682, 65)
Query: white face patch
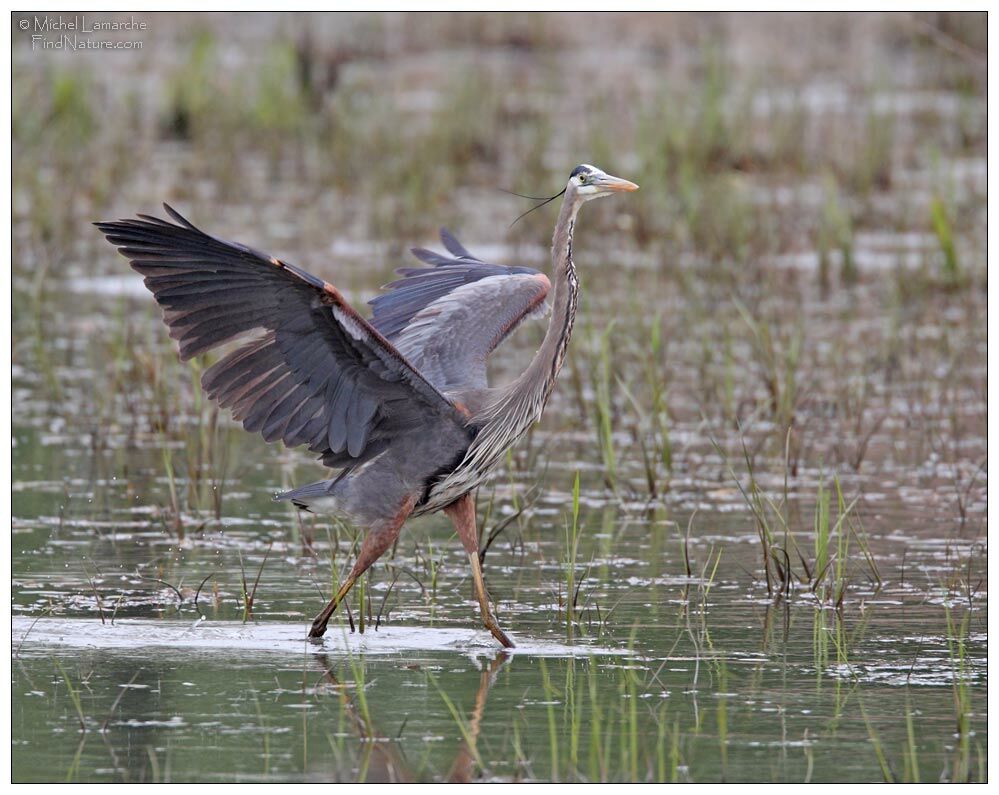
point(586, 182)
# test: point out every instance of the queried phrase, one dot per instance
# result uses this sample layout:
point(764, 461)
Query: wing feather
point(448, 318)
point(316, 372)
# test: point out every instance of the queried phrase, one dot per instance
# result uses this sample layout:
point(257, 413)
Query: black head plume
point(543, 201)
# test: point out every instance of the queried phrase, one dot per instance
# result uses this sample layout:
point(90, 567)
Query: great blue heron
point(399, 403)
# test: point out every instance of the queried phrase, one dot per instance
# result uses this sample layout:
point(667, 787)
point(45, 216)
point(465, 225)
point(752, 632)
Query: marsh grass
point(887, 774)
point(627, 739)
point(870, 166)
point(248, 595)
point(361, 707)
point(959, 767)
point(431, 566)
point(827, 572)
point(265, 737)
point(771, 524)
point(950, 270)
point(551, 696)
point(957, 632)
point(191, 89)
point(602, 371)
point(835, 234)
point(466, 733)
point(911, 770)
point(572, 532)
point(612, 738)
point(651, 429)
point(74, 695)
point(777, 356)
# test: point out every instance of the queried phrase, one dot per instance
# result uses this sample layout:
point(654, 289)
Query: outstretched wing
point(317, 373)
point(448, 318)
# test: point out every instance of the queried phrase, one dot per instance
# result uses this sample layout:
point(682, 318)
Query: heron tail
point(314, 495)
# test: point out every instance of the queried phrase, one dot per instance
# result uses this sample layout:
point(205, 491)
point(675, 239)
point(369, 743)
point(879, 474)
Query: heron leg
point(378, 539)
point(462, 514)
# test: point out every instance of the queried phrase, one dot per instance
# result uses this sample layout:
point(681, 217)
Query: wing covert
point(448, 318)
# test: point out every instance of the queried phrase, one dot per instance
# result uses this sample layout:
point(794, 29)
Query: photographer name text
point(81, 24)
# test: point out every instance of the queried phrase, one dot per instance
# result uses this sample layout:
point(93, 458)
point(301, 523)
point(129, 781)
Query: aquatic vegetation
point(950, 269)
point(835, 234)
point(192, 90)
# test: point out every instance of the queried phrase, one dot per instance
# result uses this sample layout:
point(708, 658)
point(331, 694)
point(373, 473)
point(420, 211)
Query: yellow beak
point(616, 184)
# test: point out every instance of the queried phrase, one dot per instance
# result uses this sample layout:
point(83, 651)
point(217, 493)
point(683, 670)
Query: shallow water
point(161, 598)
point(691, 678)
point(239, 639)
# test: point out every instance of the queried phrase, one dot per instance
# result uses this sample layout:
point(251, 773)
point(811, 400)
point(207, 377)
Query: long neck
point(518, 406)
point(529, 393)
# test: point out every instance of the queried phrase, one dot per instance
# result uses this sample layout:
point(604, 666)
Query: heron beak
point(616, 184)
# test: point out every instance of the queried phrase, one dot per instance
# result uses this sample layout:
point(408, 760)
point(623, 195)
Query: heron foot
point(316, 631)
point(488, 619)
point(318, 628)
point(493, 626)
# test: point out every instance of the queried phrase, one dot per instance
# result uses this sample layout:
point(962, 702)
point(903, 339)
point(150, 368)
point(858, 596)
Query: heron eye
point(583, 179)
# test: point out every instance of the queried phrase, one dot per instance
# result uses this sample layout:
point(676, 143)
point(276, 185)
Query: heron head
point(589, 182)
point(585, 182)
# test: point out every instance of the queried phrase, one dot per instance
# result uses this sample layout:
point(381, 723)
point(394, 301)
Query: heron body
point(399, 403)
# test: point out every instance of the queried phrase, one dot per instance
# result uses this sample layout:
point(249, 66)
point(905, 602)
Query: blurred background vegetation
point(757, 136)
point(813, 188)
